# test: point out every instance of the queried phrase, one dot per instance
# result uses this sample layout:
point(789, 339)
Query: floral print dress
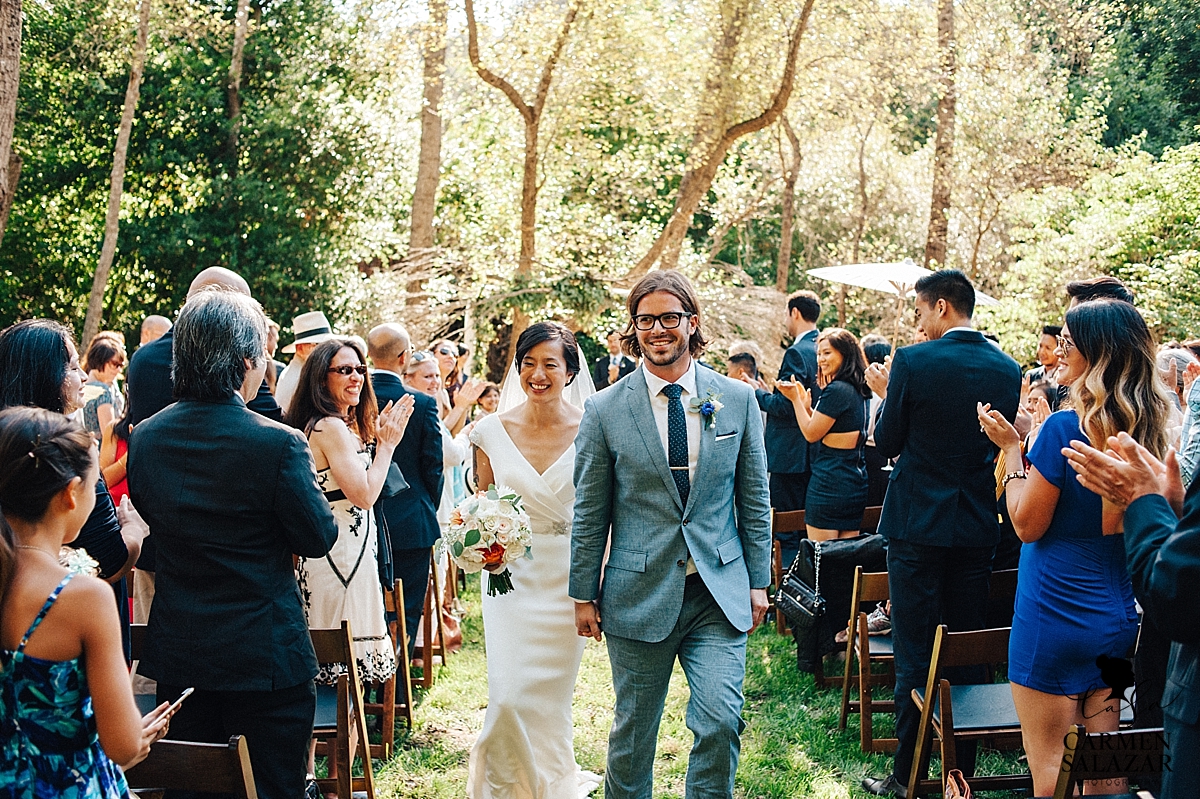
point(49, 746)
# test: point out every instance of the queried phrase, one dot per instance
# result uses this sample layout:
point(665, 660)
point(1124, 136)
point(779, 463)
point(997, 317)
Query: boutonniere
point(707, 406)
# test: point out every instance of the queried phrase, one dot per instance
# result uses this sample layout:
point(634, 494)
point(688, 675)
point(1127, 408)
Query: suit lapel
point(643, 418)
point(705, 383)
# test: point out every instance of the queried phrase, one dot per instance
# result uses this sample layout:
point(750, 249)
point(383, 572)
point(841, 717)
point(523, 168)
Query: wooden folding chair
point(342, 734)
point(397, 691)
point(783, 521)
point(187, 766)
point(433, 630)
point(870, 520)
point(964, 712)
point(1109, 756)
point(869, 588)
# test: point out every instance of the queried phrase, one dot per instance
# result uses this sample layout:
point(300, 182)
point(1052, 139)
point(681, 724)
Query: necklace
point(37, 549)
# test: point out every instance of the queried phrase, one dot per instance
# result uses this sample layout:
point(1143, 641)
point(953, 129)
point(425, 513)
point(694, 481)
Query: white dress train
point(526, 749)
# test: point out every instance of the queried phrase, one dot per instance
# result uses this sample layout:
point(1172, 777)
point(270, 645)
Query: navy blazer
point(230, 496)
point(148, 384)
point(787, 448)
point(1164, 562)
point(412, 515)
point(943, 488)
point(600, 370)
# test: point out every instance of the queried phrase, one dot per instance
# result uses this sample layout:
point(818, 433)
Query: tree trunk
point(91, 323)
point(702, 166)
point(943, 146)
point(531, 113)
point(864, 199)
point(791, 173)
point(429, 163)
point(10, 73)
point(241, 27)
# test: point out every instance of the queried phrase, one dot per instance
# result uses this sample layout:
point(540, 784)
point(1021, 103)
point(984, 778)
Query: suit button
point(681, 562)
point(685, 521)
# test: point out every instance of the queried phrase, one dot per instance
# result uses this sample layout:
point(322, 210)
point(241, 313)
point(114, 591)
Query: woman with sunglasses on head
point(335, 407)
point(421, 374)
point(68, 709)
point(456, 392)
point(1074, 604)
point(102, 402)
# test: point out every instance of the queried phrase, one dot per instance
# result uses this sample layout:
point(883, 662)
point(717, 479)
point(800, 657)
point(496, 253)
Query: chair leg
point(845, 709)
point(404, 698)
point(425, 646)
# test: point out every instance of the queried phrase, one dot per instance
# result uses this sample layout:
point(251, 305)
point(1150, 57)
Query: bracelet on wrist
point(1018, 475)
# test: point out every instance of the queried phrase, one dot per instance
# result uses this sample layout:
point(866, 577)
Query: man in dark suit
point(148, 382)
point(612, 367)
point(1162, 542)
point(411, 516)
point(787, 449)
point(230, 496)
point(939, 516)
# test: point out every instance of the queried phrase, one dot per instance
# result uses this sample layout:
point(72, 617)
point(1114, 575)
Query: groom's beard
point(677, 350)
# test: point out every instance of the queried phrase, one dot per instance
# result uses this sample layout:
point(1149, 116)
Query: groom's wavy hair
point(675, 284)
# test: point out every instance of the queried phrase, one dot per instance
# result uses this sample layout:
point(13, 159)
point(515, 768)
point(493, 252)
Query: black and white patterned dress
point(345, 585)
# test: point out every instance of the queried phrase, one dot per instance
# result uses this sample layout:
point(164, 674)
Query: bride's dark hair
point(550, 331)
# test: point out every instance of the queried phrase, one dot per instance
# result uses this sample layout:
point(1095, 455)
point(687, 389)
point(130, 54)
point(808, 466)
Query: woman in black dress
point(837, 491)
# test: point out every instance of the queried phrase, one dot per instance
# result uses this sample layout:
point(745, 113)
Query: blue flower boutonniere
point(707, 406)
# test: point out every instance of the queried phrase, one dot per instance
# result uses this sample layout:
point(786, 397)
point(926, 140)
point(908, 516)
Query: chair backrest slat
point(787, 521)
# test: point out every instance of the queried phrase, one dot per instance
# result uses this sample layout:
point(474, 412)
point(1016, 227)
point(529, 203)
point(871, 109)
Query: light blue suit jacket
point(623, 483)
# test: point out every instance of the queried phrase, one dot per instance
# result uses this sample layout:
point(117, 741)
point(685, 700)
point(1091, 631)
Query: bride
point(526, 749)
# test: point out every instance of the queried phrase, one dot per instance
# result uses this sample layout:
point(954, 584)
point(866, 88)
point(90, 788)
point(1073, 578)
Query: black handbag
point(801, 604)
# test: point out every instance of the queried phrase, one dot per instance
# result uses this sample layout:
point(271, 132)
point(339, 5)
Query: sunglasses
point(346, 371)
point(447, 351)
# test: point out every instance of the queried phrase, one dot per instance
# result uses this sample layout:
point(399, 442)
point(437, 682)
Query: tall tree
point(429, 163)
point(91, 324)
point(943, 143)
point(531, 113)
point(10, 72)
point(791, 171)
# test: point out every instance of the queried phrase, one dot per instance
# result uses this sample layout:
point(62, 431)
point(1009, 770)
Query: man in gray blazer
point(671, 476)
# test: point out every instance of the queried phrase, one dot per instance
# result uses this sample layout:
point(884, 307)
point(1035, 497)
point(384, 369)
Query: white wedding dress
point(526, 749)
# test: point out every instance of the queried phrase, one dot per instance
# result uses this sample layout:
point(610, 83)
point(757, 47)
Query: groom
point(671, 460)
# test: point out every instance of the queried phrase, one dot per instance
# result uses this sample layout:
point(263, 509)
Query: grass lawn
point(791, 746)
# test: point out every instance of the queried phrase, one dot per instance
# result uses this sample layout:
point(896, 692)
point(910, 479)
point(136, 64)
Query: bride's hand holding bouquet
point(489, 531)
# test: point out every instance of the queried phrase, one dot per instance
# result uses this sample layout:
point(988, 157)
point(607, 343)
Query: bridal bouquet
point(490, 529)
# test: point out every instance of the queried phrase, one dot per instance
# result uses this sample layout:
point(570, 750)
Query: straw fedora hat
point(310, 328)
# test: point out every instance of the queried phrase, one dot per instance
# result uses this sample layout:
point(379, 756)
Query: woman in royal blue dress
point(837, 491)
point(1074, 600)
point(67, 715)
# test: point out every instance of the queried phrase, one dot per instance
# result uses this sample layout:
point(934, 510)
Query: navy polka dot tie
point(677, 443)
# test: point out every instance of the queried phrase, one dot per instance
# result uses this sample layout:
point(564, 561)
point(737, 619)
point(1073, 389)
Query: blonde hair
point(1120, 391)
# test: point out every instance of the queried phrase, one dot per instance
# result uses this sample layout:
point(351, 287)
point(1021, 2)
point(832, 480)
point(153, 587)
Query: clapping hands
point(393, 420)
point(795, 392)
point(877, 375)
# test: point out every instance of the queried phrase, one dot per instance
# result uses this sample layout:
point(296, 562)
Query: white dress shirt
point(288, 382)
point(658, 403)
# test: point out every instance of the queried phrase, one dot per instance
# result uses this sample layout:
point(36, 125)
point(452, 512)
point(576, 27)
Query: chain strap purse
point(802, 605)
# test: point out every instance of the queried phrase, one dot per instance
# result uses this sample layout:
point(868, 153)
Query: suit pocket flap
point(730, 551)
point(627, 559)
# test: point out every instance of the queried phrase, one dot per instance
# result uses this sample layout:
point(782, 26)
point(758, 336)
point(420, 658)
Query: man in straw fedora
point(309, 329)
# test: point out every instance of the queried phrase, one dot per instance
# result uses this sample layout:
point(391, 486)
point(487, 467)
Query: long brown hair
point(1120, 391)
point(675, 284)
point(854, 361)
point(312, 401)
point(41, 452)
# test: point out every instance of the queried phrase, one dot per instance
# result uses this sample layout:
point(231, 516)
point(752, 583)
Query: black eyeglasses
point(669, 321)
point(346, 371)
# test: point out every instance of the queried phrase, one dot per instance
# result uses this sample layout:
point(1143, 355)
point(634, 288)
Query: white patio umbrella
point(892, 278)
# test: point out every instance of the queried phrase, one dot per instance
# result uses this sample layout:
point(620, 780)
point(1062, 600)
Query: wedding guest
point(1162, 540)
point(422, 375)
point(1047, 366)
point(1097, 288)
point(608, 369)
point(230, 496)
point(457, 393)
point(309, 329)
point(488, 402)
point(744, 358)
point(154, 327)
point(837, 491)
point(65, 697)
point(335, 408)
point(411, 516)
point(878, 350)
point(102, 402)
point(447, 354)
point(788, 452)
point(39, 367)
point(1074, 596)
point(939, 517)
point(114, 460)
point(276, 368)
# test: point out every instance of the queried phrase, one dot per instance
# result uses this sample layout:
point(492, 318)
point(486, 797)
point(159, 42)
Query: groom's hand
point(587, 619)
point(758, 607)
